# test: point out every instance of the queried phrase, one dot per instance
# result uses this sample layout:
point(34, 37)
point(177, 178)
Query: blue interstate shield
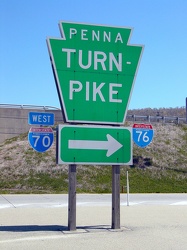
point(41, 138)
point(142, 134)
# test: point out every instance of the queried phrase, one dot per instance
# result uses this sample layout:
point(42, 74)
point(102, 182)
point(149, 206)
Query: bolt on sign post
point(94, 67)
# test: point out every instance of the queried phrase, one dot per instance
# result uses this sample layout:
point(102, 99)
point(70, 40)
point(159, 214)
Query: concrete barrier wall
point(14, 121)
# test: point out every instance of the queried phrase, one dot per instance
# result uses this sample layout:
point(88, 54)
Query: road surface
point(37, 222)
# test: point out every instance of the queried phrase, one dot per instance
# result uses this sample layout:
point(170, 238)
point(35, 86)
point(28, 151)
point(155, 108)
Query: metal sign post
point(72, 198)
point(115, 197)
point(127, 188)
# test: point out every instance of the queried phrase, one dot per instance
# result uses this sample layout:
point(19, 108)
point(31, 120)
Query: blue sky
point(161, 26)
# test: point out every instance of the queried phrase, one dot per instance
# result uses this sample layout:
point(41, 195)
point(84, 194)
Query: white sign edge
point(60, 126)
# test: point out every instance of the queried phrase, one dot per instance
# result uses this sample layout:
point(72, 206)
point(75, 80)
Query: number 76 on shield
point(142, 136)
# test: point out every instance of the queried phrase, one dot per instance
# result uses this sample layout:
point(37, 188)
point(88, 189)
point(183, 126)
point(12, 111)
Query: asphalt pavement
point(152, 221)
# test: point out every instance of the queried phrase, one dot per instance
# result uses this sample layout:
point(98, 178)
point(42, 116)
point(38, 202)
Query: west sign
point(94, 69)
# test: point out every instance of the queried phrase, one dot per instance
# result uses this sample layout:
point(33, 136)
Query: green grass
point(141, 181)
point(36, 183)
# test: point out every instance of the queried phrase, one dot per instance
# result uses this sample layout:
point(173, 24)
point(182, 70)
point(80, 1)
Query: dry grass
point(24, 169)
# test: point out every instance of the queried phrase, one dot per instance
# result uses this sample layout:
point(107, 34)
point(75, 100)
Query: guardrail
point(134, 118)
point(163, 119)
point(20, 106)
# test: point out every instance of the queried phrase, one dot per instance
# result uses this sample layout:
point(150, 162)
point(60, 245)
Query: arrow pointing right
point(111, 145)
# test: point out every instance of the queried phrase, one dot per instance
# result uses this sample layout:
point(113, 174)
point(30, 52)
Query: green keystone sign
point(94, 69)
point(102, 145)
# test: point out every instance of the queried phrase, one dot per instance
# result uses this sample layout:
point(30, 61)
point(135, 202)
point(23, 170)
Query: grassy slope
point(160, 167)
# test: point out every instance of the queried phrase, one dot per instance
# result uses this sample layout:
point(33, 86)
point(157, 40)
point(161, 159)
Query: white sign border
point(62, 103)
point(59, 161)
